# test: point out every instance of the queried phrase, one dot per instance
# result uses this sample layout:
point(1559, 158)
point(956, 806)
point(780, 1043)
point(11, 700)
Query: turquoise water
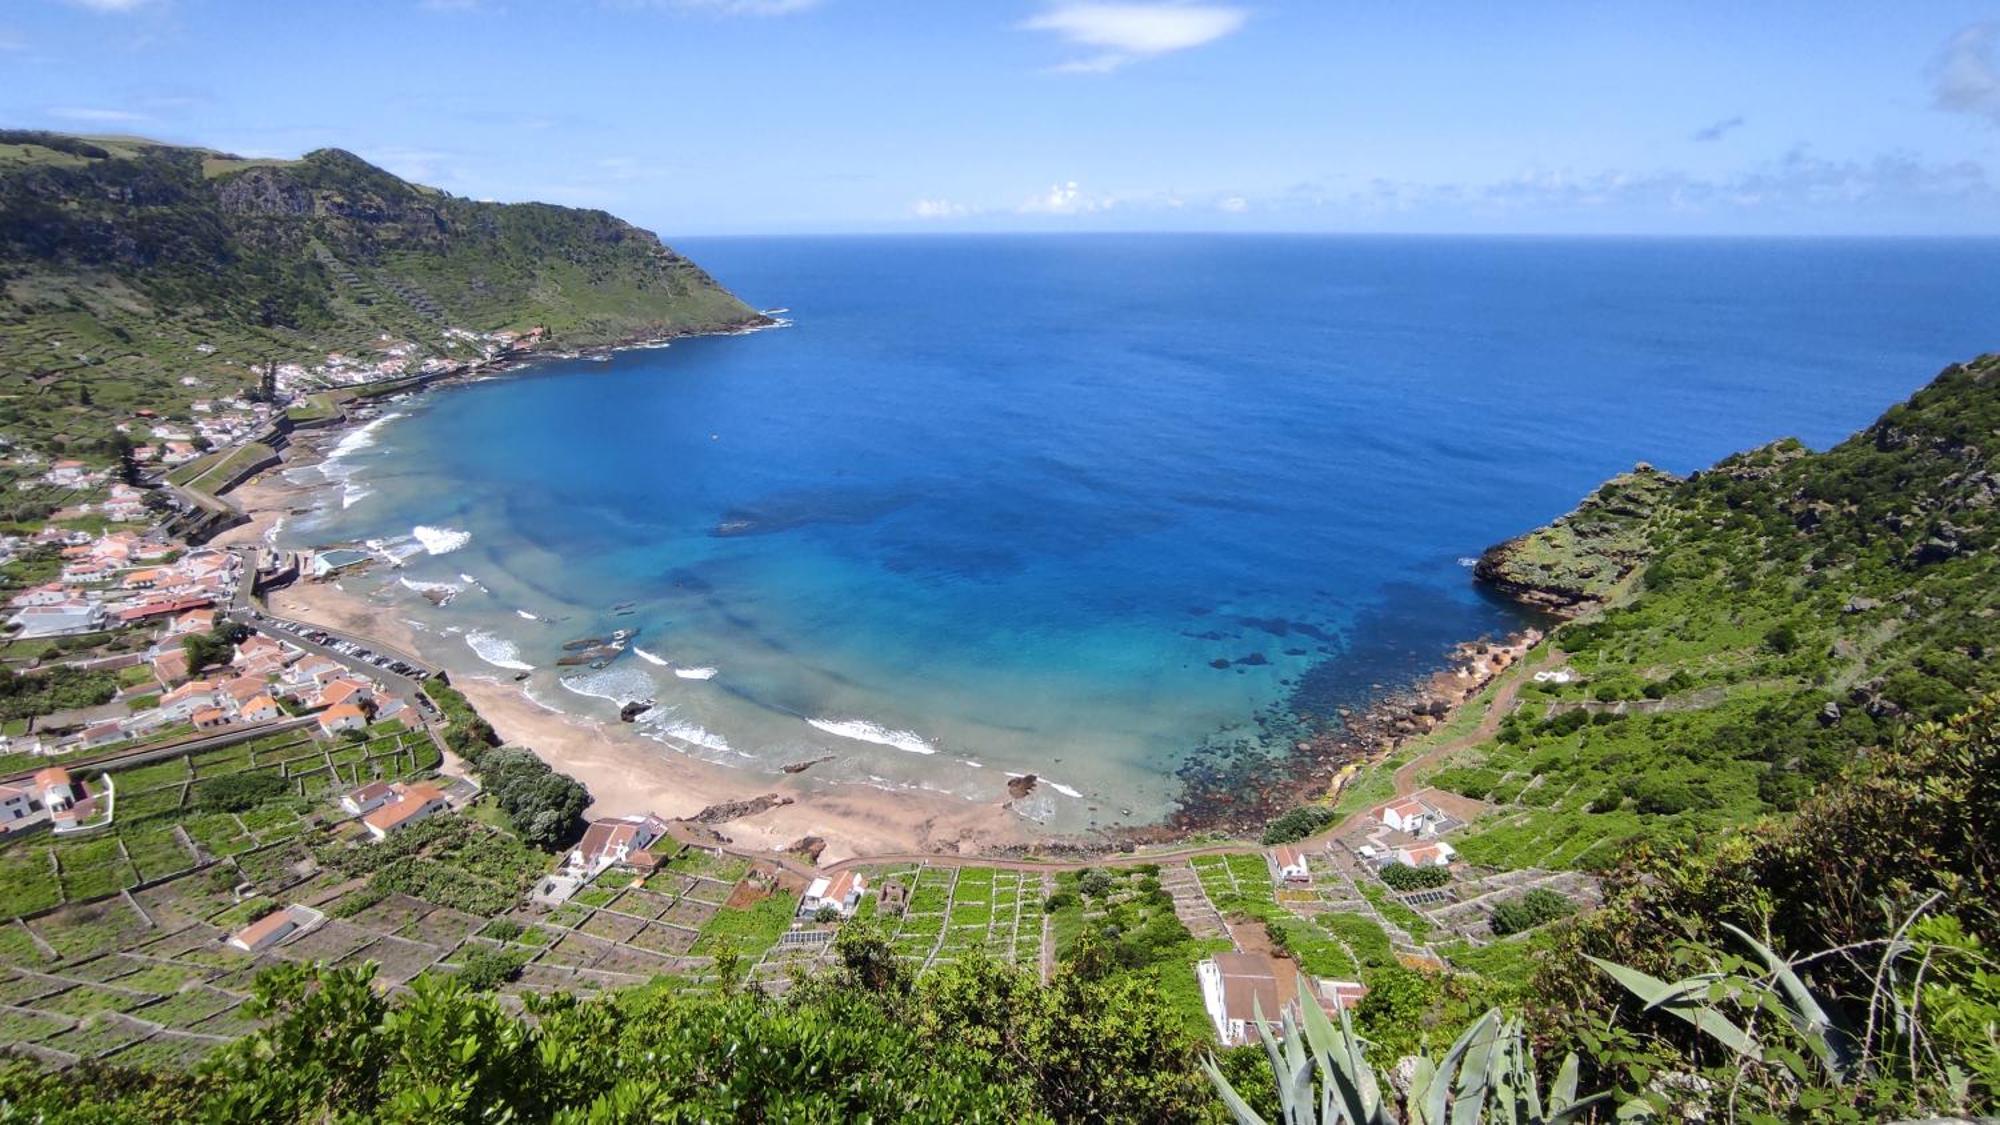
point(1002, 505)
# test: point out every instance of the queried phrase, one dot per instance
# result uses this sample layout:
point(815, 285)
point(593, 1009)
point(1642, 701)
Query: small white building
point(275, 927)
point(1405, 814)
point(413, 803)
point(842, 892)
point(611, 841)
point(368, 798)
point(1239, 989)
point(1431, 853)
point(17, 803)
point(1291, 865)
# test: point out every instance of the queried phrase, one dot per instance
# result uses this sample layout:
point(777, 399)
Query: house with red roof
point(1291, 865)
point(276, 927)
point(341, 719)
point(613, 840)
point(842, 892)
point(413, 803)
point(196, 695)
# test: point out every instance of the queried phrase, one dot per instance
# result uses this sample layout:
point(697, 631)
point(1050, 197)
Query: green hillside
point(1762, 623)
point(127, 265)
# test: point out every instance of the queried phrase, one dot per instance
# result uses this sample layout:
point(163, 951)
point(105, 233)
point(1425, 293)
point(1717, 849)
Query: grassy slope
point(127, 265)
point(1788, 610)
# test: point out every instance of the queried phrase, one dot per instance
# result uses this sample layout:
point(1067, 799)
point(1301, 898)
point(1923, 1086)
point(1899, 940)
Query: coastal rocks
point(736, 810)
point(631, 711)
point(801, 767)
point(807, 847)
point(1019, 787)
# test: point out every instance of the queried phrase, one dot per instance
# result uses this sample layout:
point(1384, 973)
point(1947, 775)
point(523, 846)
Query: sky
point(700, 117)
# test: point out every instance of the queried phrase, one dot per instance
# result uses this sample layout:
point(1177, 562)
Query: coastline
point(626, 774)
point(833, 821)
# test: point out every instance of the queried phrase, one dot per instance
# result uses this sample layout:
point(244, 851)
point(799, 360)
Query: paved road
point(267, 624)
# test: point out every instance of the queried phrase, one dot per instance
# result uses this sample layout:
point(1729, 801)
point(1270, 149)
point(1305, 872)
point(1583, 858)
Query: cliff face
point(1579, 560)
point(122, 260)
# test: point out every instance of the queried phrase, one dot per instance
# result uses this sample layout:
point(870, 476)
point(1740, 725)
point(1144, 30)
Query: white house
point(1433, 853)
point(16, 803)
point(412, 804)
point(1291, 865)
point(1406, 814)
point(1239, 989)
point(72, 615)
point(343, 718)
point(277, 926)
point(181, 703)
point(613, 840)
point(368, 798)
point(842, 892)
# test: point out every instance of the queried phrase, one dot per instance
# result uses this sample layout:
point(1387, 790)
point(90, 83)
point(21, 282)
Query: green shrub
point(1297, 824)
point(1538, 907)
point(1403, 877)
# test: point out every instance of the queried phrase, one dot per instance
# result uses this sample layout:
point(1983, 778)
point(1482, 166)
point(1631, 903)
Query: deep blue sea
point(994, 505)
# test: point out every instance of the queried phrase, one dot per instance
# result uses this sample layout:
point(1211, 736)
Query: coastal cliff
point(1580, 560)
point(129, 267)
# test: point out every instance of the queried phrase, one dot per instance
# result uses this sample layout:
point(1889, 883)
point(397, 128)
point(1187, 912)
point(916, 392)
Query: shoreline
point(836, 821)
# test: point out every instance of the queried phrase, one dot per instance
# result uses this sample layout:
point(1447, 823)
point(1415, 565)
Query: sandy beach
point(627, 774)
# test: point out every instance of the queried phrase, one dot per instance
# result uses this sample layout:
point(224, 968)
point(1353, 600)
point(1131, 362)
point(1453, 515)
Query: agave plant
point(1487, 1075)
point(1698, 1001)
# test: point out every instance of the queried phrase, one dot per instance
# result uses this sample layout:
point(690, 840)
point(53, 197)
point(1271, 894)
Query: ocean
point(1093, 507)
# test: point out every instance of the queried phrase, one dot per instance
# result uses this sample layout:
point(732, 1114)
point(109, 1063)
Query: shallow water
point(1000, 505)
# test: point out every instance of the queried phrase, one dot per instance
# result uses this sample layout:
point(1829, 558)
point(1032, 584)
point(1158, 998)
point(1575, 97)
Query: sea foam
point(695, 673)
point(440, 540)
point(619, 685)
point(649, 657)
point(861, 730)
point(497, 651)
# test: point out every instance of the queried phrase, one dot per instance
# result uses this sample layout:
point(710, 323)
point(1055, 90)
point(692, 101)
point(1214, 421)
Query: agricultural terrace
point(188, 811)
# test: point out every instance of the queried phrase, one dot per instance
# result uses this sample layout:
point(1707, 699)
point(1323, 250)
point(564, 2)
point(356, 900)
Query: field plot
point(168, 823)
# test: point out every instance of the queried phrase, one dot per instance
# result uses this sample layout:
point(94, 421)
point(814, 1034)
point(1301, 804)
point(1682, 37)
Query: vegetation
point(1298, 824)
point(1403, 877)
point(545, 807)
point(26, 695)
point(126, 262)
point(1536, 908)
point(236, 792)
point(1778, 616)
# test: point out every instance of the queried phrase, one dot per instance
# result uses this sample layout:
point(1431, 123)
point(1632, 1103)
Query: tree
point(128, 462)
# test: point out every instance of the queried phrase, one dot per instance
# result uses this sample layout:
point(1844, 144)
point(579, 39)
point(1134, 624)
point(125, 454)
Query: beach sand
point(628, 774)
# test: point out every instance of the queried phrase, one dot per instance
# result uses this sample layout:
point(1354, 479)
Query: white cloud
point(97, 116)
point(1232, 204)
point(1065, 199)
point(1966, 77)
point(111, 5)
point(1121, 33)
point(942, 209)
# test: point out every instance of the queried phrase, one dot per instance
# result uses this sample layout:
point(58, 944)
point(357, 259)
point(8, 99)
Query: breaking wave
point(649, 657)
point(695, 673)
point(619, 685)
point(440, 540)
point(497, 651)
point(861, 730)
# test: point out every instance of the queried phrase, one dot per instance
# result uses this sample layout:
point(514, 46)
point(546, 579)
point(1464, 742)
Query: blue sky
point(779, 116)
